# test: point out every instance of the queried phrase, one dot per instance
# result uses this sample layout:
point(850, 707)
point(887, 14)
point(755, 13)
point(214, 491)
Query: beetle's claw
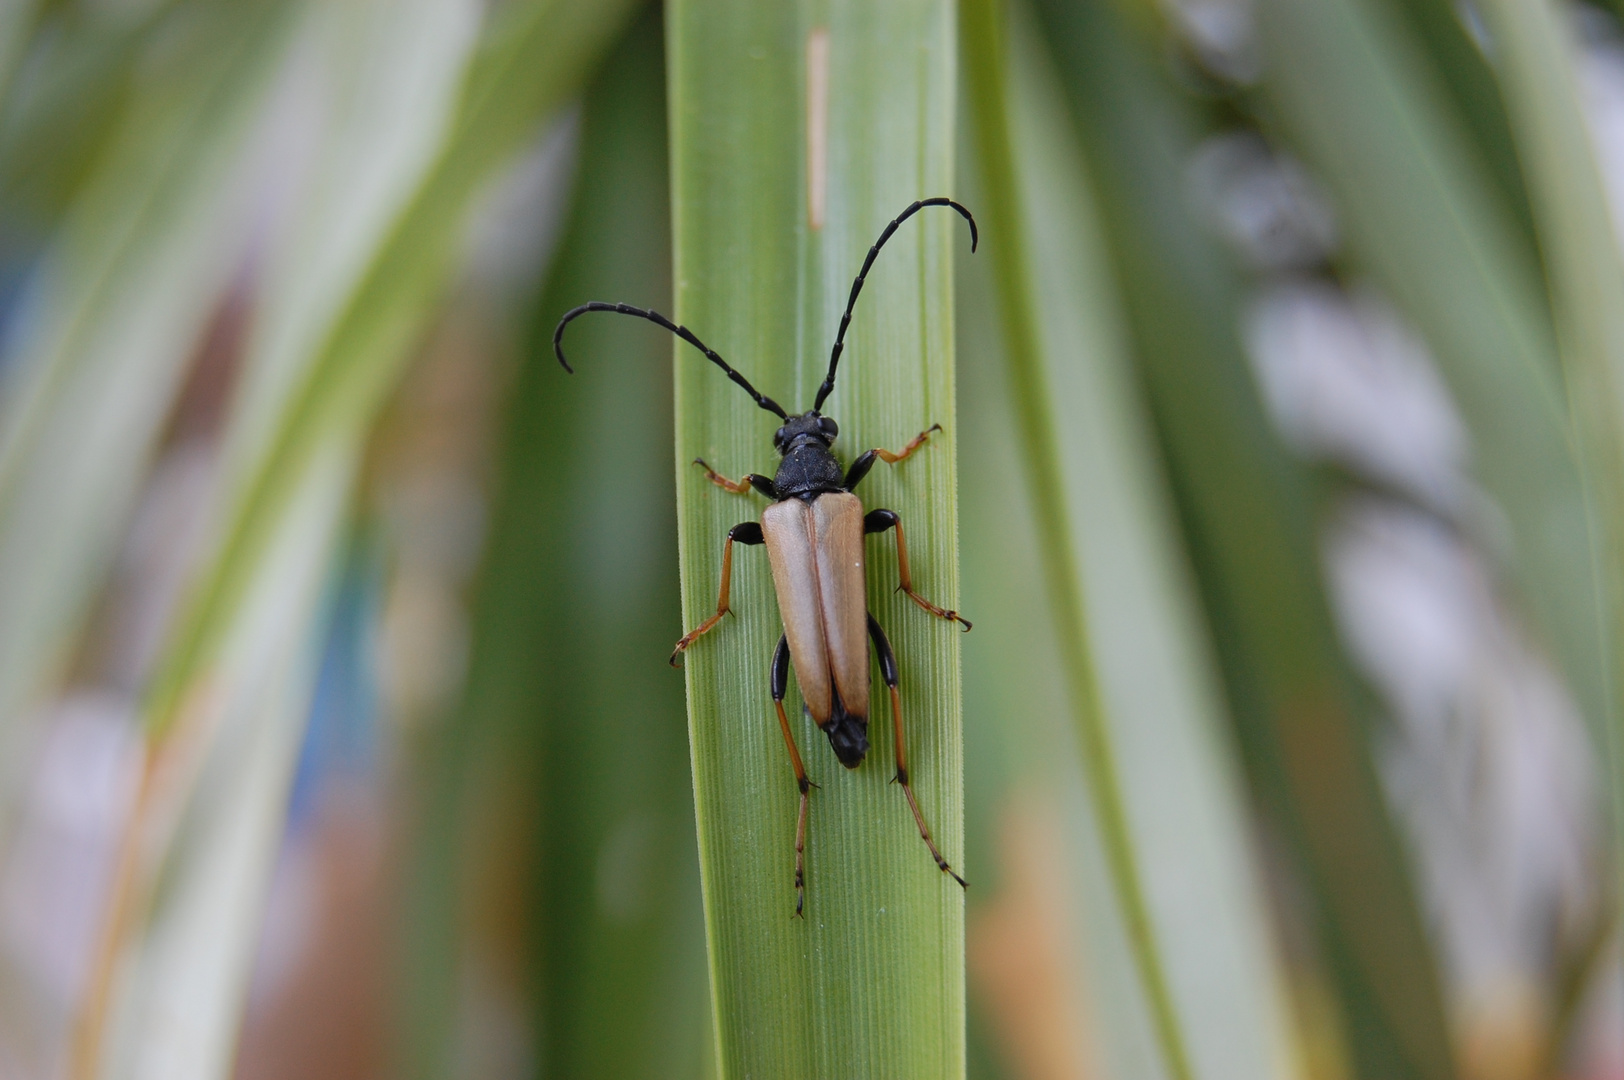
point(948, 869)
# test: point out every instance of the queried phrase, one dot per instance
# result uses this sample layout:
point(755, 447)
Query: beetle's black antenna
point(681, 331)
point(857, 286)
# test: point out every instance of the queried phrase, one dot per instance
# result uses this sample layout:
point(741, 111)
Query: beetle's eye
point(829, 428)
point(778, 439)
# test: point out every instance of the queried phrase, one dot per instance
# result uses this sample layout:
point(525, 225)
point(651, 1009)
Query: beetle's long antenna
point(681, 331)
point(857, 286)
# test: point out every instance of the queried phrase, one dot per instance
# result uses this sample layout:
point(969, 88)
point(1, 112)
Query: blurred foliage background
point(335, 734)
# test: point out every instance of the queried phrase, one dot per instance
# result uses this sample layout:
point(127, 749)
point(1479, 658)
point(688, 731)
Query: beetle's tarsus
point(737, 487)
point(800, 886)
point(878, 521)
point(747, 532)
point(940, 613)
point(888, 669)
point(779, 679)
point(698, 632)
point(892, 457)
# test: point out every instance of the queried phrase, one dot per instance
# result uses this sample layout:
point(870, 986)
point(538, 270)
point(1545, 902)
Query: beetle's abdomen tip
point(848, 735)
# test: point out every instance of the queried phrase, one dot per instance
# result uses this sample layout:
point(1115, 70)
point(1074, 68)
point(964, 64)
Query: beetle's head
point(799, 430)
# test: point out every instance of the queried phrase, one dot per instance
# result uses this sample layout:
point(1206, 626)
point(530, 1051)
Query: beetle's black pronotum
point(814, 535)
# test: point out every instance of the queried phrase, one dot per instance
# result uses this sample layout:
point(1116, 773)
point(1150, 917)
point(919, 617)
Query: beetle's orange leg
point(761, 483)
point(748, 532)
point(907, 451)
point(888, 669)
point(880, 520)
point(865, 460)
point(780, 681)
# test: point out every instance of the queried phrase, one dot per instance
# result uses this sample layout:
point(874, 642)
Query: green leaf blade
point(1585, 275)
point(1167, 814)
point(871, 982)
point(1246, 504)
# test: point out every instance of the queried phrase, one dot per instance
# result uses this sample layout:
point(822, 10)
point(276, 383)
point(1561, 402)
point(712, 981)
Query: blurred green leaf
point(1586, 277)
point(1246, 509)
point(1442, 35)
point(352, 284)
point(572, 728)
point(69, 73)
point(109, 322)
point(1420, 218)
point(17, 22)
point(871, 982)
point(533, 56)
point(175, 1003)
point(200, 846)
point(1144, 695)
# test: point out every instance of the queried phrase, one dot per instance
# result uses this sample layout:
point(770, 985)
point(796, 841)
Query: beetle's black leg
point(747, 533)
point(859, 469)
point(888, 670)
point(763, 484)
point(880, 520)
point(865, 460)
point(780, 682)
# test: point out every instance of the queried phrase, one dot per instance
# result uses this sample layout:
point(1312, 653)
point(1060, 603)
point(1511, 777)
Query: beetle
point(813, 531)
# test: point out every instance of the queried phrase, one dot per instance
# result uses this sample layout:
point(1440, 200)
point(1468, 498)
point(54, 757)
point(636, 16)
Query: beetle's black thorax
point(809, 468)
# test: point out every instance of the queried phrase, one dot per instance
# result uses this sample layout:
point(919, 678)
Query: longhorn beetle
point(814, 535)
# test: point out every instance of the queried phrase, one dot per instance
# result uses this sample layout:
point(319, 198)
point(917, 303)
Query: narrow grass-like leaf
point(871, 982)
point(1143, 691)
point(182, 921)
point(1020, 760)
point(16, 26)
point(1580, 244)
point(109, 322)
point(176, 1001)
point(314, 381)
point(987, 62)
point(1465, 84)
point(1420, 218)
point(620, 933)
point(75, 75)
point(571, 736)
point(532, 58)
point(1246, 509)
